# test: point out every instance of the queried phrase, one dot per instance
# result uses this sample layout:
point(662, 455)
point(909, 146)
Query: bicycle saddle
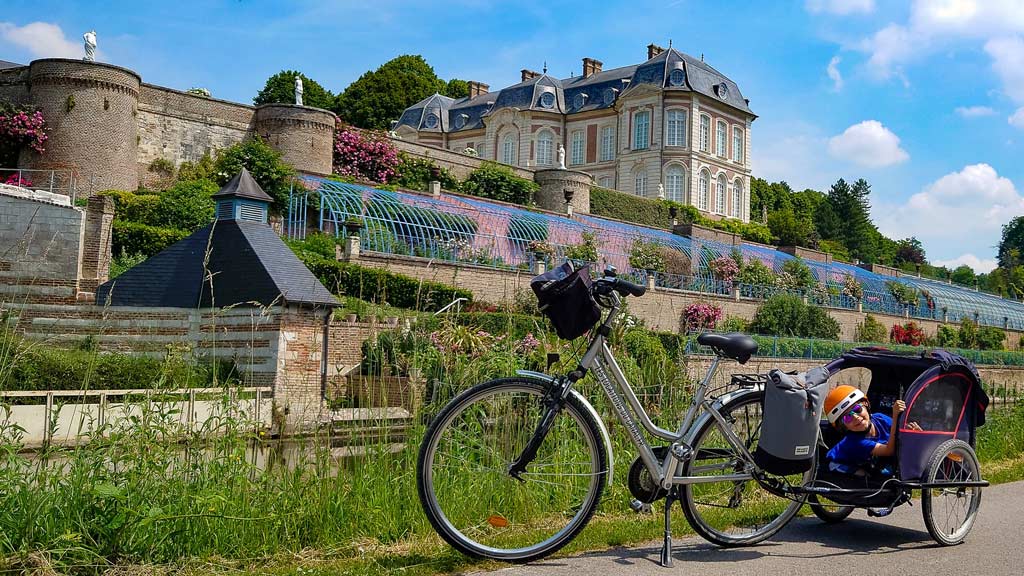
point(737, 346)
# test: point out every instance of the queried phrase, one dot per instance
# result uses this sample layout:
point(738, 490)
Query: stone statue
point(90, 46)
point(561, 157)
point(661, 191)
point(298, 90)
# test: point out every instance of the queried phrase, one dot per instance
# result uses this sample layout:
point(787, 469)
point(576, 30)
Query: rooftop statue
point(90, 46)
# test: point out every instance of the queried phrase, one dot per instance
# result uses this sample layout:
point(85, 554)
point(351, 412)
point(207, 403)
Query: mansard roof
point(579, 94)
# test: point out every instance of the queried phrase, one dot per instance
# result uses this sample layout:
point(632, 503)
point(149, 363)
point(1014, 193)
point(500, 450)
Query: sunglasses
point(857, 409)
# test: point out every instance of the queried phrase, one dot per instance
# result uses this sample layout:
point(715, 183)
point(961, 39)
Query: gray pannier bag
point(790, 423)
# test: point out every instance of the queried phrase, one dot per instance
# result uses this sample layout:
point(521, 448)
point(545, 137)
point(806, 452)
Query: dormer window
point(430, 122)
point(722, 91)
point(580, 100)
point(547, 100)
point(460, 121)
point(609, 96)
point(676, 77)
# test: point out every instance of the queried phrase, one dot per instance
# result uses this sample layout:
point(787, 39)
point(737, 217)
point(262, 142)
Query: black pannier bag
point(563, 294)
point(790, 422)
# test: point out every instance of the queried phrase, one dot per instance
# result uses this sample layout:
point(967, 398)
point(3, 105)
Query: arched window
point(721, 133)
point(545, 145)
point(702, 190)
point(737, 145)
point(737, 198)
point(720, 195)
point(675, 183)
point(675, 128)
point(705, 133)
point(577, 148)
point(508, 150)
point(640, 182)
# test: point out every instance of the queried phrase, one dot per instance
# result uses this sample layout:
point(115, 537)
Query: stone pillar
point(435, 188)
point(348, 251)
point(99, 219)
point(91, 119)
point(554, 183)
point(303, 135)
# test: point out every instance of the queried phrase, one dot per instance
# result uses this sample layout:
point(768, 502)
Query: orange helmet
point(839, 400)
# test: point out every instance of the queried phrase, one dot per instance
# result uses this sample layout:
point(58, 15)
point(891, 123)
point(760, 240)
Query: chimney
point(527, 74)
point(477, 88)
point(591, 67)
point(653, 50)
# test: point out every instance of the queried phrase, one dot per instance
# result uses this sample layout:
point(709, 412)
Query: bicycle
point(513, 469)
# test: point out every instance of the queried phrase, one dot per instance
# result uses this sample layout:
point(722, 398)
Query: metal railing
point(58, 181)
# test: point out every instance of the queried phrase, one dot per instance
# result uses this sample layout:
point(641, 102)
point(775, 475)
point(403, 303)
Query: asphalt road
point(898, 544)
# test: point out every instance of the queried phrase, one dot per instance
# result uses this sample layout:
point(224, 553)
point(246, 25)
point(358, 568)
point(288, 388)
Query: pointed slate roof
point(248, 264)
point(243, 185)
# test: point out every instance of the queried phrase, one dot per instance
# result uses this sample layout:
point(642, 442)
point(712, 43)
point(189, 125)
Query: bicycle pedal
point(640, 507)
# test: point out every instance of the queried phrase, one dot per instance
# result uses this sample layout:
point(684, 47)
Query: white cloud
point(834, 74)
point(1008, 62)
point(1017, 119)
point(979, 265)
point(41, 40)
point(868, 144)
point(962, 212)
point(974, 111)
point(891, 47)
point(840, 7)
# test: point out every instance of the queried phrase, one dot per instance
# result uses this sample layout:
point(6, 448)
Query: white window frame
point(675, 128)
point(737, 144)
point(508, 150)
point(721, 188)
point(578, 148)
point(641, 140)
point(737, 198)
point(705, 133)
point(675, 183)
point(607, 143)
point(606, 182)
point(722, 139)
point(545, 148)
point(704, 184)
point(640, 183)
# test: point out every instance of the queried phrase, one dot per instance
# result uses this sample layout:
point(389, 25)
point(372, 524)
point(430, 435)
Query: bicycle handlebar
point(623, 287)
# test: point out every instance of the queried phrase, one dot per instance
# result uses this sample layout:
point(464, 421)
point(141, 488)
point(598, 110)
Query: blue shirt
point(855, 447)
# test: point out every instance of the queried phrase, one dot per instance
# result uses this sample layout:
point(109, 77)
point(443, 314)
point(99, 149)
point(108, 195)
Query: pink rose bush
point(364, 154)
point(23, 129)
point(700, 316)
point(724, 268)
point(16, 179)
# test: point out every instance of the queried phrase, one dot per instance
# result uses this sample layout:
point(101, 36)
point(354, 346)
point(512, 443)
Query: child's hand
point(898, 408)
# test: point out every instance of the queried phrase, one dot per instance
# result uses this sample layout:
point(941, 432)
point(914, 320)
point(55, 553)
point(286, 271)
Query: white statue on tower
point(90, 46)
point(298, 90)
point(561, 157)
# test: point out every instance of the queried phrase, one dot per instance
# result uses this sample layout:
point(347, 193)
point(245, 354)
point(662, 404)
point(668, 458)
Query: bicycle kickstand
point(666, 547)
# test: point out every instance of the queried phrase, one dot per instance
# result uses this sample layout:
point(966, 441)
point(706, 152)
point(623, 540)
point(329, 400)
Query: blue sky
point(923, 98)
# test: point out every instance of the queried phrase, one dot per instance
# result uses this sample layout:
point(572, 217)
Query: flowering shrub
point(724, 268)
point(20, 128)
point(700, 316)
point(756, 273)
point(17, 179)
point(910, 333)
point(364, 154)
point(852, 288)
point(541, 248)
point(528, 344)
point(646, 256)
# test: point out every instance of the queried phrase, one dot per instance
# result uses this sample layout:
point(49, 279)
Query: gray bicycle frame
point(600, 360)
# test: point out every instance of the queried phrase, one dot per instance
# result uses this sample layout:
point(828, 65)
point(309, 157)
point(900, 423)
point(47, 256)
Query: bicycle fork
point(554, 400)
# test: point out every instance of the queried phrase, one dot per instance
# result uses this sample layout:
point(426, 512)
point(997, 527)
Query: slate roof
point(248, 263)
point(578, 94)
point(243, 186)
point(6, 64)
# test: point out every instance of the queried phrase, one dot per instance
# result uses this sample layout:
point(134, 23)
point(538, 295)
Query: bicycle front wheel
point(465, 487)
point(734, 513)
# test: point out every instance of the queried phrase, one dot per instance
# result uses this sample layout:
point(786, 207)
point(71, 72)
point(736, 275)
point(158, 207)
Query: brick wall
point(460, 164)
point(40, 249)
point(99, 218)
point(303, 135)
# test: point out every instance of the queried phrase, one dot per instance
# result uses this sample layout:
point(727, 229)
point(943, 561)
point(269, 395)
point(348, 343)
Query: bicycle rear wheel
point(467, 492)
point(734, 513)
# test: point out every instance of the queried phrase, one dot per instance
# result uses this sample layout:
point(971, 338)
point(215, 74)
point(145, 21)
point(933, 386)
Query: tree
point(909, 250)
point(964, 275)
point(1013, 239)
point(280, 89)
point(456, 88)
point(827, 224)
point(263, 162)
point(852, 211)
point(790, 229)
point(380, 96)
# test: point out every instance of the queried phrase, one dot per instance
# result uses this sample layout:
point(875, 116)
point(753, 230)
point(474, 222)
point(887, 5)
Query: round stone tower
point(556, 183)
point(303, 135)
point(90, 110)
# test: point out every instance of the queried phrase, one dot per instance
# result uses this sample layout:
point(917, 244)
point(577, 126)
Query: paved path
point(898, 544)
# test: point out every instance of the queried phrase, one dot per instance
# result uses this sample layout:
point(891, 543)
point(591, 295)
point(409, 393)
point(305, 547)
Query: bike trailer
point(789, 428)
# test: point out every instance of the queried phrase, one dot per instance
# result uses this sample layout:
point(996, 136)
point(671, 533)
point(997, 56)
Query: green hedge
point(135, 238)
point(497, 182)
point(380, 286)
point(630, 208)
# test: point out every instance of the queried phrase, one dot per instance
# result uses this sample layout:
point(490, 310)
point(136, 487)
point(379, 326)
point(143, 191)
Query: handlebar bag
point(564, 296)
point(790, 421)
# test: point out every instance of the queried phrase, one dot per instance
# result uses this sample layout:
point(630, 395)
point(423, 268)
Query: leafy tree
point(456, 88)
point(909, 250)
point(188, 205)
point(497, 182)
point(280, 89)
point(380, 96)
point(768, 197)
point(1011, 245)
point(852, 211)
point(963, 274)
point(263, 162)
point(790, 229)
point(827, 223)
point(787, 315)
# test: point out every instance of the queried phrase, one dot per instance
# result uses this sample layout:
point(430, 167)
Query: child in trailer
point(867, 446)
